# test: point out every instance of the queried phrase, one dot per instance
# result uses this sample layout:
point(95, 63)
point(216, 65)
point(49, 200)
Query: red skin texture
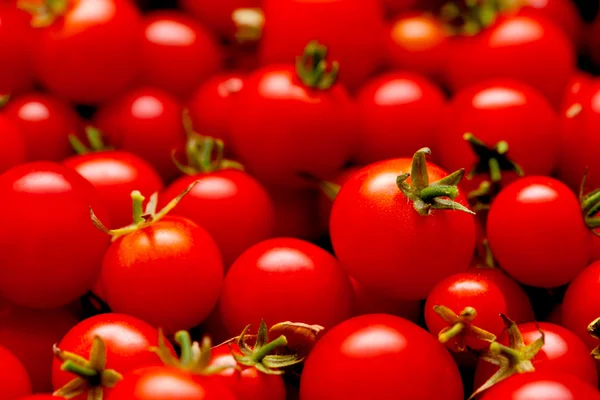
point(40, 397)
point(369, 302)
point(563, 13)
point(127, 340)
point(296, 213)
point(177, 53)
point(364, 356)
point(371, 217)
point(165, 383)
point(219, 203)
point(46, 123)
point(168, 274)
point(308, 283)
point(351, 29)
point(563, 352)
point(400, 113)
point(470, 289)
point(394, 7)
point(115, 174)
point(148, 123)
point(518, 47)
point(281, 128)
point(326, 204)
point(418, 42)
point(58, 261)
point(217, 15)
point(212, 103)
point(542, 386)
point(15, 381)
point(12, 144)
point(105, 35)
point(576, 92)
point(249, 383)
point(29, 335)
point(537, 234)
point(16, 41)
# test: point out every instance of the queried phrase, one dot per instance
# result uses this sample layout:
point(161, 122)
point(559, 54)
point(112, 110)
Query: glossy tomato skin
point(17, 39)
point(177, 53)
point(281, 128)
point(563, 352)
point(399, 114)
point(46, 123)
point(370, 302)
point(518, 47)
point(15, 381)
point(537, 234)
point(220, 203)
point(115, 174)
point(351, 29)
point(563, 13)
point(364, 356)
point(105, 36)
point(12, 144)
point(377, 235)
point(168, 274)
point(218, 16)
point(285, 279)
point(127, 340)
point(577, 90)
point(146, 122)
point(56, 262)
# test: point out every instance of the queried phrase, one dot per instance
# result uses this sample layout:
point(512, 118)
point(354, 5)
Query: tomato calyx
point(312, 66)
point(469, 17)
point(4, 99)
point(460, 327)
point(92, 375)
point(44, 13)
point(512, 359)
point(438, 195)
point(249, 23)
point(594, 331)
point(590, 206)
point(94, 137)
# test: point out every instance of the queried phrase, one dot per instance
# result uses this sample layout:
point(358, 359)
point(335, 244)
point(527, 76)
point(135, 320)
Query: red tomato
point(378, 235)
point(17, 40)
point(563, 13)
point(562, 352)
point(326, 197)
point(12, 144)
point(174, 268)
point(285, 280)
point(127, 341)
point(296, 213)
point(351, 29)
point(164, 383)
point(89, 54)
point(115, 174)
point(15, 381)
point(49, 251)
point(369, 302)
point(146, 122)
point(177, 53)
point(397, 6)
point(551, 244)
point(418, 42)
point(46, 123)
point(364, 356)
point(218, 15)
point(220, 202)
point(577, 90)
point(399, 112)
point(282, 128)
point(518, 47)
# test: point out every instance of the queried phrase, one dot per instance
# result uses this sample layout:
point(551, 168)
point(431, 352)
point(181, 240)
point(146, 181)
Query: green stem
point(495, 174)
point(590, 202)
point(137, 203)
point(513, 355)
point(79, 370)
point(451, 333)
point(94, 137)
point(268, 348)
point(185, 342)
point(78, 145)
point(431, 192)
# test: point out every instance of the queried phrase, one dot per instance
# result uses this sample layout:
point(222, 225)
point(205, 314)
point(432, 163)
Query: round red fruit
point(15, 381)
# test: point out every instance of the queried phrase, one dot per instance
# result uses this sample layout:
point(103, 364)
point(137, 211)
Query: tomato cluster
point(299, 199)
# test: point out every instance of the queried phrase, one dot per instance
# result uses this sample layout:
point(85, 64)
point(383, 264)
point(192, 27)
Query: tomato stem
point(185, 342)
point(249, 23)
point(491, 161)
point(329, 189)
point(137, 206)
point(311, 67)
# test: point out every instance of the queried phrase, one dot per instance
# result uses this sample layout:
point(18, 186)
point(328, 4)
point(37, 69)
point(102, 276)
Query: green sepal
point(594, 331)
point(460, 327)
point(94, 137)
point(491, 161)
point(44, 13)
point(590, 205)
point(312, 67)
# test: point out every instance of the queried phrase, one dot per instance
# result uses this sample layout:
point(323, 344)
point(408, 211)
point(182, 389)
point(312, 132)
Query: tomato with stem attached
point(15, 381)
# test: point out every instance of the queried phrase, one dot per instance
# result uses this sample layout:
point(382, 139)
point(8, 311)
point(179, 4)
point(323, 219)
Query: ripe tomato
point(399, 112)
point(296, 213)
point(351, 29)
point(369, 302)
point(89, 53)
point(177, 53)
point(551, 244)
point(146, 122)
point(17, 40)
point(218, 16)
point(12, 144)
point(49, 251)
point(46, 123)
point(285, 279)
point(15, 381)
point(563, 13)
point(518, 47)
point(577, 90)
point(377, 234)
point(364, 356)
point(115, 174)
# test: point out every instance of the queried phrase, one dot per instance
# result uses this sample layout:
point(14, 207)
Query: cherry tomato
point(364, 356)
point(89, 54)
point(12, 144)
point(537, 234)
point(173, 268)
point(115, 174)
point(369, 302)
point(46, 123)
point(219, 203)
point(577, 90)
point(296, 213)
point(351, 29)
point(17, 40)
point(49, 251)
point(563, 13)
point(146, 122)
point(177, 53)
point(400, 113)
point(15, 381)
point(218, 16)
point(285, 279)
point(518, 47)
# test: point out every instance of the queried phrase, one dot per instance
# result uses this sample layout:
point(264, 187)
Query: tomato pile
point(299, 199)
